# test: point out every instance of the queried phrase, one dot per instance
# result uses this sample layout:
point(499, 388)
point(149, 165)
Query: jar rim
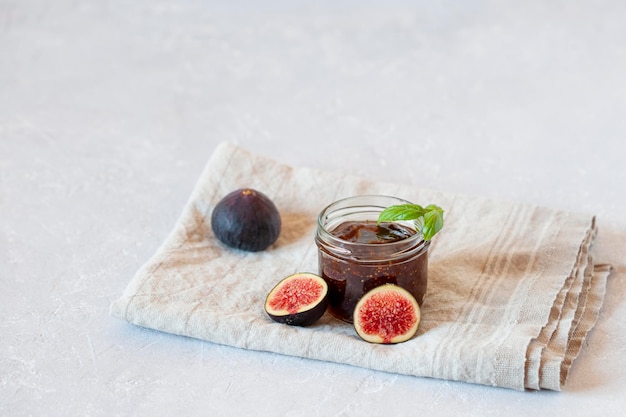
point(372, 204)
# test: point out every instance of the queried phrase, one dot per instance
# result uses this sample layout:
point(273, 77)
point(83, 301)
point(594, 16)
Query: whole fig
point(246, 219)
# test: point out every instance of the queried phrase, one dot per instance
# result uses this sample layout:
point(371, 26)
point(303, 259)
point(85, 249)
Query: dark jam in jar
point(361, 255)
point(371, 232)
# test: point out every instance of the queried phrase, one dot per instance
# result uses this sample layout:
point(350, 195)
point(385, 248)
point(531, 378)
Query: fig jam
point(356, 254)
point(370, 232)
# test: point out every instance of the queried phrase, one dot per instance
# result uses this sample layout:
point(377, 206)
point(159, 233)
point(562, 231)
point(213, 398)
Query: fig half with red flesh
point(387, 314)
point(298, 300)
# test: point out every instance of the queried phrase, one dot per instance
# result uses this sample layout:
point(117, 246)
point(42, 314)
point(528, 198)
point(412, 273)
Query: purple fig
point(246, 219)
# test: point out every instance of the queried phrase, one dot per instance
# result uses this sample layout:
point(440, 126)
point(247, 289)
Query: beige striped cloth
point(512, 293)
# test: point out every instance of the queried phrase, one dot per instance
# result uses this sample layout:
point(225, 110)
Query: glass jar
point(353, 266)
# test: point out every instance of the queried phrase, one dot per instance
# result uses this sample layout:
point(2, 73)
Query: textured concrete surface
point(110, 109)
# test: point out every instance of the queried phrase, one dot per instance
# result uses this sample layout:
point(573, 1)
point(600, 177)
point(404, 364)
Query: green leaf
point(433, 223)
point(401, 212)
point(428, 220)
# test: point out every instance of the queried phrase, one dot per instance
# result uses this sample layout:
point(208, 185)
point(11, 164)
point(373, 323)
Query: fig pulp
point(246, 219)
point(298, 300)
point(387, 314)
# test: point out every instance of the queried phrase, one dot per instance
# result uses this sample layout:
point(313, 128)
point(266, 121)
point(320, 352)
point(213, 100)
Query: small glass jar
point(352, 268)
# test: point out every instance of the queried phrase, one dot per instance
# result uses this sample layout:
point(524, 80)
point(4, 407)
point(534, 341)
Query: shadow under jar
point(356, 253)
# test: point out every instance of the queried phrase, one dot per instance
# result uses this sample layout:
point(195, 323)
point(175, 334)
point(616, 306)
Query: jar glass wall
point(355, 254)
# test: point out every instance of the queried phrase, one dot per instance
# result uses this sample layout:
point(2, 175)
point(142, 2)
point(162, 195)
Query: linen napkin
point(512, 290)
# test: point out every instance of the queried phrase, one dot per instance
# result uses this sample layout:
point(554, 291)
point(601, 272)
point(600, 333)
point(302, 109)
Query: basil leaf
point(428, 221)
point(401, 212)
point(433, 222)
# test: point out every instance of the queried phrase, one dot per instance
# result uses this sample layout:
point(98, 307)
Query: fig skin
point(303, 312)
point(246, 219)
point(387, 314)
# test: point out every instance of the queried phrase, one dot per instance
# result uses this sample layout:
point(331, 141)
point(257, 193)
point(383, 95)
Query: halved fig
point(246, 219)
point(387, 314)
point(298, 300)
